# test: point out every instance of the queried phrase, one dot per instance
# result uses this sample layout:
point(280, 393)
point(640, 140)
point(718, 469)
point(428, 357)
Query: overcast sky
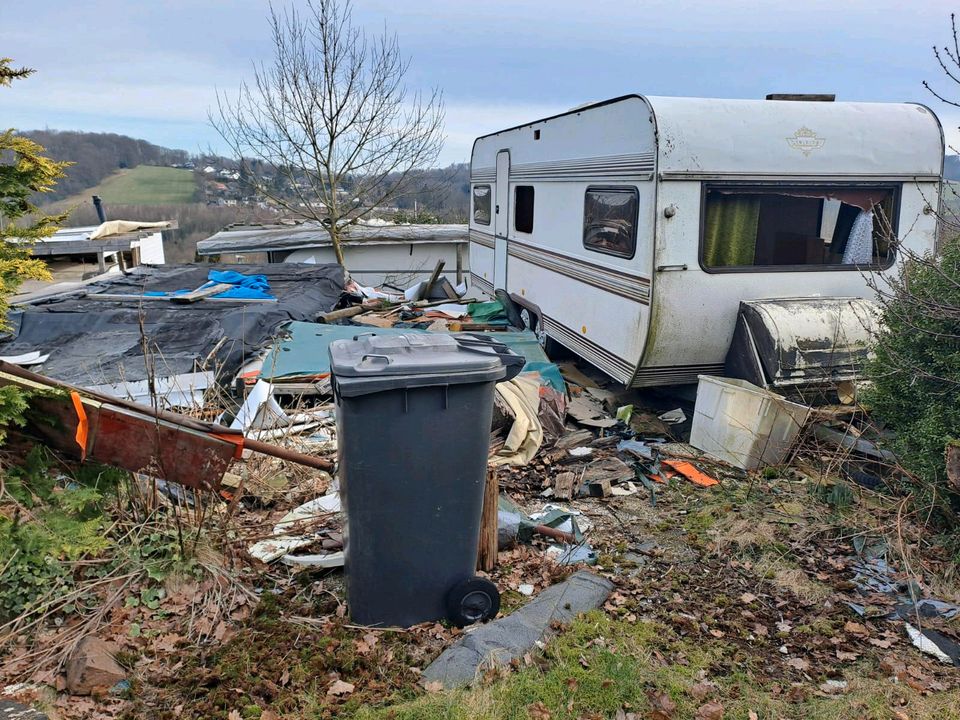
point(151, 69)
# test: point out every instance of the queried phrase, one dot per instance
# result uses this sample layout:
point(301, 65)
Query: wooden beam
point(425, 290)
point(487, 552)
point(200, 293)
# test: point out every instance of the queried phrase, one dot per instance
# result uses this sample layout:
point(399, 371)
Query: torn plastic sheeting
point(26, 359)
point(260, 411)
point(522, 396)
point(691, 473)
point(562, 518)
point(282, 543)
point(572, 554)
point(673, 417)
point(636, 448)
point(926, 645)
point(487, 312)
point(184, 390)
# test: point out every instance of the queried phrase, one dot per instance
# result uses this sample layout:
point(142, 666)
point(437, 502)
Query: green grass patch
point(599, 666)
point(143, 185)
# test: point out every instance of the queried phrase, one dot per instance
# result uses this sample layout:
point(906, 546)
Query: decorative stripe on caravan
point(487, 174)
point(673, 374)
point(607, 166)
point(632, 287)
point(481, 238)
point(481, 284)
point(615, 366)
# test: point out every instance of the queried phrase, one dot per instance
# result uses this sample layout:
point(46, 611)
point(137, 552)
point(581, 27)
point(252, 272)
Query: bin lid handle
point(385, 358)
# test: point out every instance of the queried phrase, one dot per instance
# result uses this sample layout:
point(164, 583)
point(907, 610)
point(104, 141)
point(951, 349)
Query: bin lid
point(410, 360)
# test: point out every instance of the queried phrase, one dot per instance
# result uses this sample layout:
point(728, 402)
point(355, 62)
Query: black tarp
point(95, 341)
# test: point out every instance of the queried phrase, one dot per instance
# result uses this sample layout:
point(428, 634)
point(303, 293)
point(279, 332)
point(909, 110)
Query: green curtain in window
point(730, 232)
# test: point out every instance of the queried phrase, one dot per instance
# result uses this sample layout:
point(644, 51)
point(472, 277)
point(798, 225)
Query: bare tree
point(949, 60)
point(328, 130)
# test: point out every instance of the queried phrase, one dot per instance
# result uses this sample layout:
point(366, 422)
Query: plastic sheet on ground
point(522, 396)
point(284, 541)
point(95, 341)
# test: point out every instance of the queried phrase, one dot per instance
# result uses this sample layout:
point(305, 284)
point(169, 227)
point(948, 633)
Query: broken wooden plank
point(487, 552)
point(599, 488)
point(341, 314)
point(564, 485)
point(425, 290)
point(200, 293)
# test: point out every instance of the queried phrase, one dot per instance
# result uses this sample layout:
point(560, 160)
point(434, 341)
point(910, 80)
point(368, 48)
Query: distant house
point(374, 254)
point(77, 253)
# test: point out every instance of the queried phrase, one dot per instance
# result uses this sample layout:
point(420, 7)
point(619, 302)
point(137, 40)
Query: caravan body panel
point(659, 316)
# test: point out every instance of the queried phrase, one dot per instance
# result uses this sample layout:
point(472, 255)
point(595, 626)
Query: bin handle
point(385, 358)
point(512, 362)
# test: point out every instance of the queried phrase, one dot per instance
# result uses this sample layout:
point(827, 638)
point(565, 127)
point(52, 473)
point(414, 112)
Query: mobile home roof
point(707, 136)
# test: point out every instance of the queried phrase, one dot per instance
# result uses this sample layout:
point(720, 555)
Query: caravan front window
point(610, 220)
point(481, 204)
point(797, 227)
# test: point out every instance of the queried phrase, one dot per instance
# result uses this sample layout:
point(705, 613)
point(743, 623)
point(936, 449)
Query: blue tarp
point(246, 287)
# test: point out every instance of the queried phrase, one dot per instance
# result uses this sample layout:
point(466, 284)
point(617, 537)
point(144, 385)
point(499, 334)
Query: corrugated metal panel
point(283, 237)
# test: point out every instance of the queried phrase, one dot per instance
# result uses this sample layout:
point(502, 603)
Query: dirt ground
point(730, 601)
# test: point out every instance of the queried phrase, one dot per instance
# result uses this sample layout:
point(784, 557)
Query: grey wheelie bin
point(413, 422)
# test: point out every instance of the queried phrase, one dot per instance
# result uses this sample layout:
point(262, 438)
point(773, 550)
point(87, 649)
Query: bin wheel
point(473, 600)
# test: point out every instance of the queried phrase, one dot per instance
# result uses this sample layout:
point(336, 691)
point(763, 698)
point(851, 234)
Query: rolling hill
point(142, 185)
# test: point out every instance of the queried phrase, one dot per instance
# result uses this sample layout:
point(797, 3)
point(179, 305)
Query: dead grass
point(744, 535)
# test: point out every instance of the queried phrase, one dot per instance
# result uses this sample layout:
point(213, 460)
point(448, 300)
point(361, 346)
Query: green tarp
point(303, 350)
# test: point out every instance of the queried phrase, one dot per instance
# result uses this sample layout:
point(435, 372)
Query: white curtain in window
point(859, 250)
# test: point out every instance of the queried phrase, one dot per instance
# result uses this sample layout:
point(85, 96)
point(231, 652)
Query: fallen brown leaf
point(710, 711)
point(434, 686)
point(662, 705)
point(747, 598)
point(538, 711)
point(340, 688)
point(844, 656)
point(856, 628)
point(702, 690)
point(799, 664)
point(269, 715)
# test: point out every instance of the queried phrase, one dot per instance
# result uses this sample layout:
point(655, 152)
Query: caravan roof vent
point(804, 97)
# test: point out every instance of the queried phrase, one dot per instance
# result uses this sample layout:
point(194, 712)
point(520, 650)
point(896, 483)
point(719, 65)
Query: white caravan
point(632, 229)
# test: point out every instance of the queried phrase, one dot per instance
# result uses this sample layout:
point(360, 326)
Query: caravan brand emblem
point(805, 140)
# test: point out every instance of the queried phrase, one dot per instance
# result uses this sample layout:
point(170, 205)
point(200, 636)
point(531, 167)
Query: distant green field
point(142, 185)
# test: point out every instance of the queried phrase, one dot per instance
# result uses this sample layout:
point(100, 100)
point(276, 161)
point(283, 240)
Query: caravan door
point(501, 223)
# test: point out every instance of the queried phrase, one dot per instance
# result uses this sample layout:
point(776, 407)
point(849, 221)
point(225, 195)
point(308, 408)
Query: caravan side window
point(797, 227)
point(523, 208)
point(610, 221)
point(481, 204)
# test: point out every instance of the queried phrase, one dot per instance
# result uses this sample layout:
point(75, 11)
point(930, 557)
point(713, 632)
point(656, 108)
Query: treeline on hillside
point(445, 192)
point(98, 155)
